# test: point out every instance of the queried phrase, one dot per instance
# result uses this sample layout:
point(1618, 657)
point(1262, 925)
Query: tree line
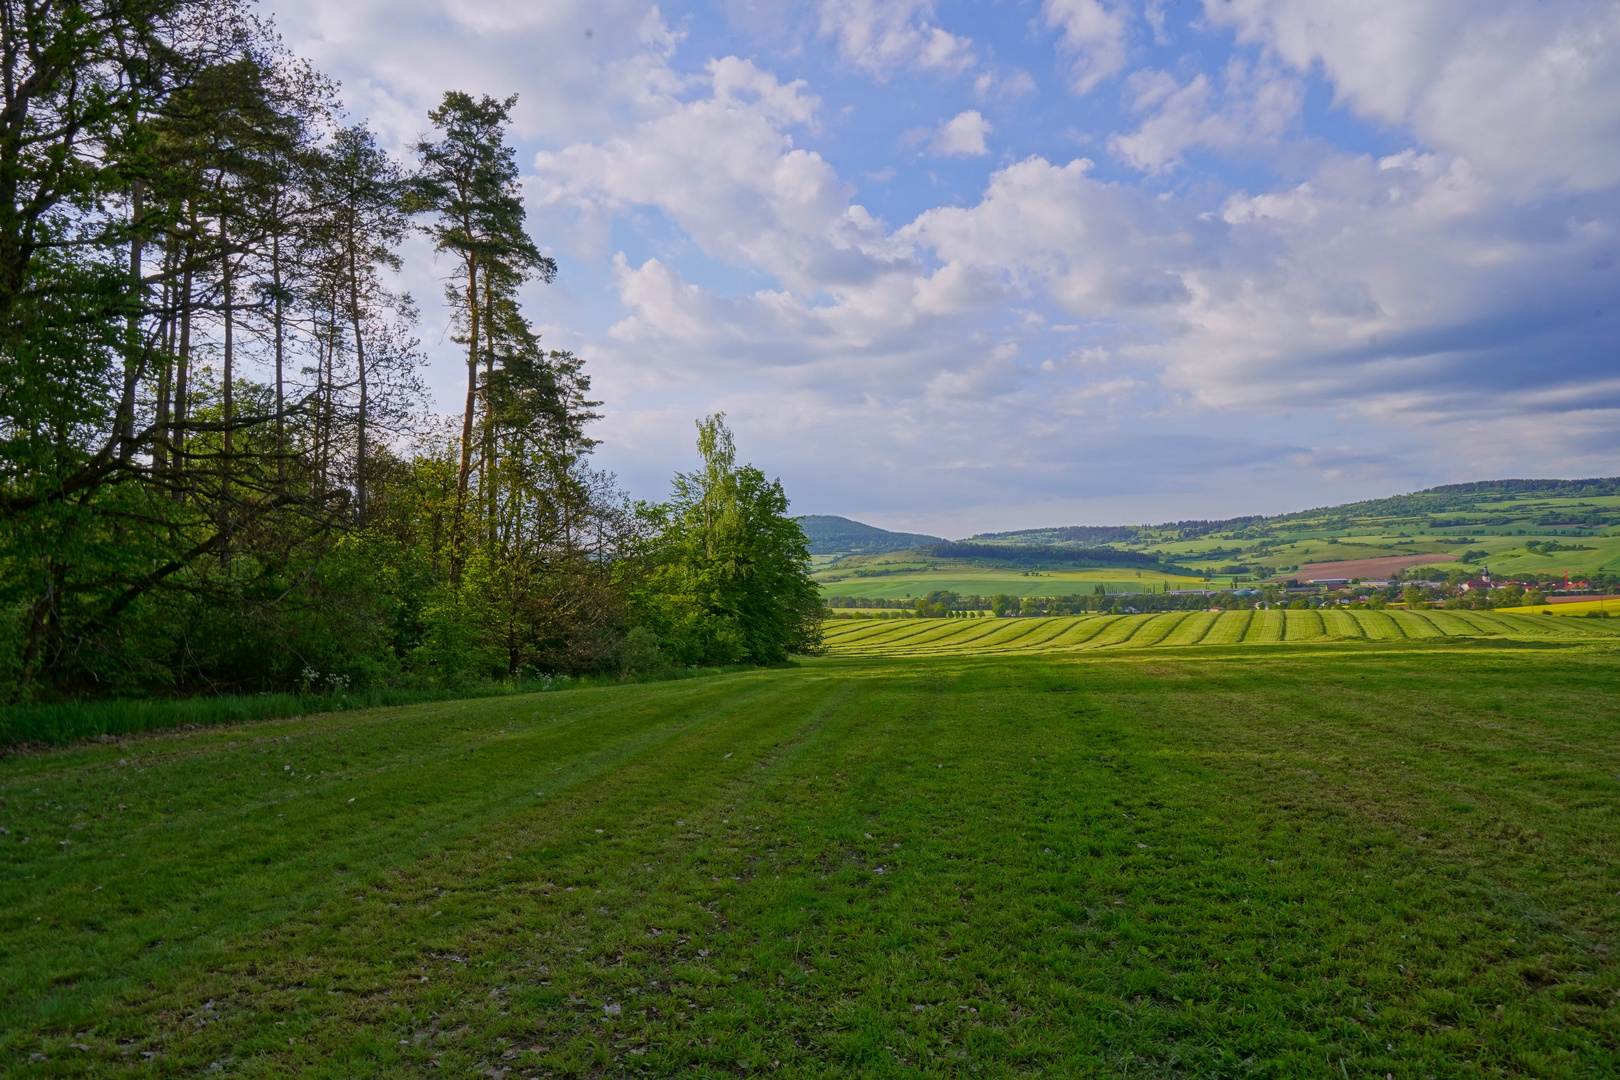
point(1031, 553)
point(219, 467)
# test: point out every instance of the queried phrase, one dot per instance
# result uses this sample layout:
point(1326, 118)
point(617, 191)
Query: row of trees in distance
point(217, 465)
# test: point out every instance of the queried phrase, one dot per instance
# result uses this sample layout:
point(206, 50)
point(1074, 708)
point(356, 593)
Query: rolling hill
point(1514, 527)
point(832, 535)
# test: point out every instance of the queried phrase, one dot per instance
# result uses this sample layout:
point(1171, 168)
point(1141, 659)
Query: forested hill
point(1483, 502)
point(832, 535)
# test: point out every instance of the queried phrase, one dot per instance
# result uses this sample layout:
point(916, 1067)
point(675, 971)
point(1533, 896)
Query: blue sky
point(965, 266)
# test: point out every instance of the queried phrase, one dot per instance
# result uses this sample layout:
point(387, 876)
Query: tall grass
point(72, 721)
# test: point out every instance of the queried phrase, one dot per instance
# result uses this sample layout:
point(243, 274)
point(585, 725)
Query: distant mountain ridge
point(832, 535)
point(1447, 505)
point(1444, 499)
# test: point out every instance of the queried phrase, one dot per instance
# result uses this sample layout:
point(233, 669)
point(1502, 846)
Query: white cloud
point(1056, 335)
point(396, 60)
point(1098, 250)
point(724, 168)
point(878, 35)
point(1005, 86)
point(1251, 108)
point(961, 136)
point(1094, 35)
point(1527, 91)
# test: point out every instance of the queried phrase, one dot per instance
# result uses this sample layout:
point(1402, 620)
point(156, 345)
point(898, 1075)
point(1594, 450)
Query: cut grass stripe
point(1450, 624)
point(1229, 628)
point(1342, 624)
point(1378, 626)
point(1184, 629)
point(1416, 626)
point(1267, 626)
point(1117, 629)
point(1301, 625)
point(1081, 632)
point(1137, 630)
point(972, 636)
point(1159, 627)
point(1193, 629)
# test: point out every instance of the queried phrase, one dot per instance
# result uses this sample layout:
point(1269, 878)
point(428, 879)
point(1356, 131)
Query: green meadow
point(1390, 856)
point(905, 574)
point(1080, 633)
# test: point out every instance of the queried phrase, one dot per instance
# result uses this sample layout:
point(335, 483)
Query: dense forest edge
point(219, 475)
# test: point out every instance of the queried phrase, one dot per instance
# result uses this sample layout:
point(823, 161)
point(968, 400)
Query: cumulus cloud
point(1093, 36)
point(396, 60)
point(877, 35)
point(725, 169)
point(1525, 90)
point(961, 136)
point(1051, 333)
point(1250, 108)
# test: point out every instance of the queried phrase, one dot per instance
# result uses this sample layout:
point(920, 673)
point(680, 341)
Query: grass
point(987, 580)
point(71, 721)
point(1579, 607)
point(928, 637)
point(1348, 859)
point(67, 722)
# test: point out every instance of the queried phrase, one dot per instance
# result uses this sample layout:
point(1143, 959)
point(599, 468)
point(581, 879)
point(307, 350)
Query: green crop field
point(1515, 527)
point(917, 576)
point(1352, 859)
point(978, 637)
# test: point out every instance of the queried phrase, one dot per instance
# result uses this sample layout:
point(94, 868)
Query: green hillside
point(1515, 527)
point(832, 535)
point(899, 575)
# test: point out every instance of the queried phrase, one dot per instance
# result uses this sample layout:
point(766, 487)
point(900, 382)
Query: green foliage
point(729, 575)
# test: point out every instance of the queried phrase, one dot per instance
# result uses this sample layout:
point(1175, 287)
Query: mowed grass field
point(989, 580)
point(991, 637)
point(1610, 606)
point(1351, 859)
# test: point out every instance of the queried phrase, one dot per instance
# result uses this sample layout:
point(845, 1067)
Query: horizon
point(1240, 517)
point(965, 268)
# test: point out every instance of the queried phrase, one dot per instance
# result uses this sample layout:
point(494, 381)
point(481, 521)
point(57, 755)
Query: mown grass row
point(1148, 863)
point(65, 722)
point(1188, 628)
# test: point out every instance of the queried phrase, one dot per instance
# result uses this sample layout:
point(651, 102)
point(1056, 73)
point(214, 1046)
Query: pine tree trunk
point(182, 374)
point(132, 333)
point(365, 401)
point(278, 316)
point(227, 398)
point(457, 539)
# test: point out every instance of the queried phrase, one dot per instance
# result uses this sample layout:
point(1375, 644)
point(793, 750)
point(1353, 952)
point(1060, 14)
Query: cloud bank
point(1264, 254)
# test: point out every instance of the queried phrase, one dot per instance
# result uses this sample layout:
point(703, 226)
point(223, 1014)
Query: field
point(1381, 567)
point(1548, 529)
point(1609, 606)
point(905, 575)
point(1351, 859)
point(1176, 629)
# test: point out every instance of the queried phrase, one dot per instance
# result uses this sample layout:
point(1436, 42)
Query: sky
point(957, 267)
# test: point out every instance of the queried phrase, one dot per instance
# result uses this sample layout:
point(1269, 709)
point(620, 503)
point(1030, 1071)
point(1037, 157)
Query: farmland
point(1608, 605)
point(910, 574)
point(1085, 633)
point(1369, 568)
point(1222, 860)
point(1546, 528)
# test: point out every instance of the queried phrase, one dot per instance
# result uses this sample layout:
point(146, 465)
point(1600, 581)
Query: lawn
point(970, 580)
point(975, 637)
point(1352, 858)
point(1607, 608)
